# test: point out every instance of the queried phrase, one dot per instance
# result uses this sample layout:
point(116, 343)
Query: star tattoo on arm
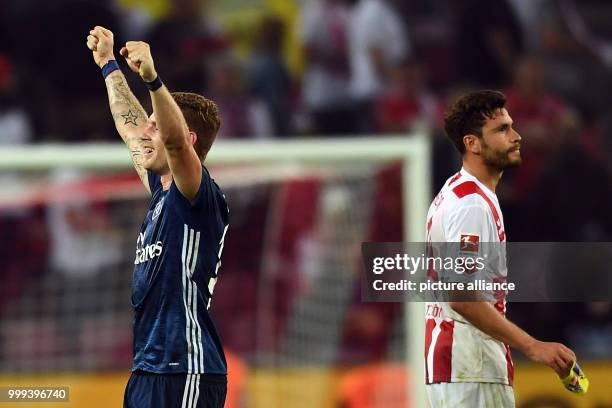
point(130, 118)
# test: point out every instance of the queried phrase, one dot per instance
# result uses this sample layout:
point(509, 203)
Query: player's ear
point(193, 137)
point(471, 143)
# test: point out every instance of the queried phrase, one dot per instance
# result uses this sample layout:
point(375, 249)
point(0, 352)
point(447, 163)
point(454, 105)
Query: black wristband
point(109, 67)
point(155, 84)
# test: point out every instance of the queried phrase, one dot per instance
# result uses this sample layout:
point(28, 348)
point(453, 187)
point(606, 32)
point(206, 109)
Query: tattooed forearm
point(125, 108)
point(133, 144)
point(130, 119)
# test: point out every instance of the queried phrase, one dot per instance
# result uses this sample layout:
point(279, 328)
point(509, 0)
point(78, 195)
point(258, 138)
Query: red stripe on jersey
point(431, 272)
point(470, 187)
point(455, 178)
point(443, 353)
point(509, 364)
point(429, 326)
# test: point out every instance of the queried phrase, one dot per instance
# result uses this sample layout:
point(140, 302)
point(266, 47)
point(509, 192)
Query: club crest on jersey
point(469, 243)
point(158, 208)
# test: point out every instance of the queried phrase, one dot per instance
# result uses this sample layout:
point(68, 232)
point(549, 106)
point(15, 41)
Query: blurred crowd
point(366, 67)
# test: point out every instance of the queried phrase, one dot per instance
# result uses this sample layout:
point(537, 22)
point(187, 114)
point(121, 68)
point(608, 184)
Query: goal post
point(413, 151)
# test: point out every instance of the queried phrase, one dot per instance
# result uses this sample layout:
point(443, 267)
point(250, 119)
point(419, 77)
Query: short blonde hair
point(202, 118)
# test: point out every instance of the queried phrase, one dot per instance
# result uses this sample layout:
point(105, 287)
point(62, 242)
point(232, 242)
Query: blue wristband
point(109, 67)
point(155, 84)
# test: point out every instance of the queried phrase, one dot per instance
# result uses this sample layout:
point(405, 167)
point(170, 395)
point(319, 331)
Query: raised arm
point(178, 141)
point(129, 116)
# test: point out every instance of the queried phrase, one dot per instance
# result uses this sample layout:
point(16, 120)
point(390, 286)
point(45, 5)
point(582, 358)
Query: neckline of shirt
point(469, 175)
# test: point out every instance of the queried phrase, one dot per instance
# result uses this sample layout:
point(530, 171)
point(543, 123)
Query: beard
point(501, 160)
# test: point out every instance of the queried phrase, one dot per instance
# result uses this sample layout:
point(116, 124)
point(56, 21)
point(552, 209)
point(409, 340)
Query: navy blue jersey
point(178, 254)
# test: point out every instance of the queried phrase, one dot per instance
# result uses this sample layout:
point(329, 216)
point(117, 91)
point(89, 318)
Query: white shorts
point(470, 395)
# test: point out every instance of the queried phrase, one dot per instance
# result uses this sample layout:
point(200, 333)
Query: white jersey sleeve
point(470, 220)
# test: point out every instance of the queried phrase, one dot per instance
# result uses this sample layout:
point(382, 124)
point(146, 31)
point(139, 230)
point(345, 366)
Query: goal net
point(287, 304)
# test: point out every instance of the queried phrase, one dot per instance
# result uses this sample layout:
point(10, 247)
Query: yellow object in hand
point(576, 381)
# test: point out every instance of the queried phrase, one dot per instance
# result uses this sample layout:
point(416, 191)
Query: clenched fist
point(100, 42)
point(138, 56)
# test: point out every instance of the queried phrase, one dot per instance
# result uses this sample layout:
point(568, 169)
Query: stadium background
point(283, 69)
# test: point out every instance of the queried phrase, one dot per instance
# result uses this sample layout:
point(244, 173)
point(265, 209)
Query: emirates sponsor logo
point(145, 253)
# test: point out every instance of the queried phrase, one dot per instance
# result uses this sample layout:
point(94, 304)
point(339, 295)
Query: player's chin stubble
point(502, 160)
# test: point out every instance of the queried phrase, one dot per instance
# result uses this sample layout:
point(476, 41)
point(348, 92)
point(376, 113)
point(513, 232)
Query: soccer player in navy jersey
point(178, 357)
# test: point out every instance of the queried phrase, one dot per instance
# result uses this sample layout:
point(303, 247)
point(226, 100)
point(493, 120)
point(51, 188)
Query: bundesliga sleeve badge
point(576, 381)
point(469, 243)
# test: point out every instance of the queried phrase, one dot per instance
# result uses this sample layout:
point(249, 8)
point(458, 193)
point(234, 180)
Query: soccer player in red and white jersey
point(467, 344)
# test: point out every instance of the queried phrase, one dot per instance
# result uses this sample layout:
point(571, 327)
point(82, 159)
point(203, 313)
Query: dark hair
point(469, 113)
point(202, 117)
